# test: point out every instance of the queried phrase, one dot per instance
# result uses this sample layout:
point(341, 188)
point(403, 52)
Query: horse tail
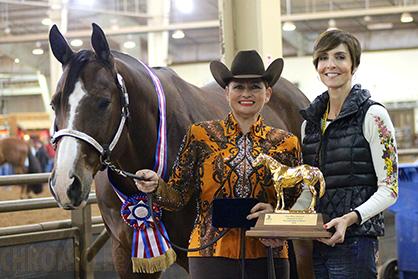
point(34, 167)
point(321, 184)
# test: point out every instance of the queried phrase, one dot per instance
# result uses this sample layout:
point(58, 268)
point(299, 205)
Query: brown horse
point(15, 151)
point(91, 108)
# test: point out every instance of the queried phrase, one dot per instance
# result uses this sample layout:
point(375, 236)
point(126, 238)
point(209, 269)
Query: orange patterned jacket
point(215, 159)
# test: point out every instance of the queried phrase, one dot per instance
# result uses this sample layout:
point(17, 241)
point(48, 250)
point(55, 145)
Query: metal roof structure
point(377, 24)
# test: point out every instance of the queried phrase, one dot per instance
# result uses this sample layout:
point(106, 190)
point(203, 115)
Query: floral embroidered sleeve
point(380, 133)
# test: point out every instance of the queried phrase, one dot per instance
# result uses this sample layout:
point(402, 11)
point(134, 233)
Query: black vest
point(344, 157)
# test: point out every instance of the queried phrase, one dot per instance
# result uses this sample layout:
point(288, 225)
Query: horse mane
point(78, 61)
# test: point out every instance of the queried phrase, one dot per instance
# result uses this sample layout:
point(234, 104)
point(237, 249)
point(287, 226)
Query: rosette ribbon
point(151, 252)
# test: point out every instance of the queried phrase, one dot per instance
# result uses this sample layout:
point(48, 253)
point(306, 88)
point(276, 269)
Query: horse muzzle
point(71, 192)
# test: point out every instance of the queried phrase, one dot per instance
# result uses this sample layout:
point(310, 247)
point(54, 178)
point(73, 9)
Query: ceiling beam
point(349, 13)
point(77, 8)
point(122, 30)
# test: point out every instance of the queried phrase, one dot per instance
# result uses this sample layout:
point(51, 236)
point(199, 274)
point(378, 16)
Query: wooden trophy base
point(290, 226)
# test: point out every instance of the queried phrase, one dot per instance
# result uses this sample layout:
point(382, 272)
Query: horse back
point(14, 151)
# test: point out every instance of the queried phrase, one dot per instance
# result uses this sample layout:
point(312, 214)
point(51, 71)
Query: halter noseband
point(104, 149)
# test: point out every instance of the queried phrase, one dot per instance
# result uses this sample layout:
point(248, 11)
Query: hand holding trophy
point(291, 224)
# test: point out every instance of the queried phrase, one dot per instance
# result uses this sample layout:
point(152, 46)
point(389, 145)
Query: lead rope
point(270, 259)
point(150, 201)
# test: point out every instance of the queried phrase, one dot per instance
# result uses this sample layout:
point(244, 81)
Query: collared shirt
point(215, 160)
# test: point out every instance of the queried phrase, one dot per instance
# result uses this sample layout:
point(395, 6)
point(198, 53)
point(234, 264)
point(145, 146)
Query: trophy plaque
point(291, 224)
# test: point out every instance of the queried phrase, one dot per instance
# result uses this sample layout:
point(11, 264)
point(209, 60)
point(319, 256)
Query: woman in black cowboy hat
point(215, 160)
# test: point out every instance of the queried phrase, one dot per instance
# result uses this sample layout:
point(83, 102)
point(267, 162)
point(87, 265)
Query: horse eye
point(52, 106)
point(103, 104)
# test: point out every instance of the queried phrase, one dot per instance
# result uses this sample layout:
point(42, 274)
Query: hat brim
point(274, 71)
point(223, 75)
point(220, 73)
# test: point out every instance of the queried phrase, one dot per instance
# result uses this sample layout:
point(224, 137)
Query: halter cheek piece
point(104, 149)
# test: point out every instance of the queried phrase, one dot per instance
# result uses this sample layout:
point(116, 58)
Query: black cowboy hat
point(246, 64)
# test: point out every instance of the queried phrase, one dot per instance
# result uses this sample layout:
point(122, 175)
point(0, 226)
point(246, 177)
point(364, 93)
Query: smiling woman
point(215, 160)
point(351, 139)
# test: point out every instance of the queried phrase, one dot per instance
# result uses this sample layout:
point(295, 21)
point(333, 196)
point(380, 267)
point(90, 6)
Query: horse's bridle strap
point(79, 135)
point(89, 139)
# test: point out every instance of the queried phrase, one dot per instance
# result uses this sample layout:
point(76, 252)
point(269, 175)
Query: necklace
point(324, 119)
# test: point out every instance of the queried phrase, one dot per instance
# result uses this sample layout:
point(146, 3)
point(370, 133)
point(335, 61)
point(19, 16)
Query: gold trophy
point(291, 224)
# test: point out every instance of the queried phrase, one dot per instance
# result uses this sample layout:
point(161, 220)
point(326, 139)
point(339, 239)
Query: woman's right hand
point(149, 183)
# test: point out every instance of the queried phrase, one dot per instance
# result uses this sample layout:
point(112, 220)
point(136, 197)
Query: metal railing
point(81, 225)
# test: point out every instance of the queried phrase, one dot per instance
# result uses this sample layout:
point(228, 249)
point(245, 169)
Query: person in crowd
point(352, 140)
point(215, 161)
point(50, 152)
point(41, 155)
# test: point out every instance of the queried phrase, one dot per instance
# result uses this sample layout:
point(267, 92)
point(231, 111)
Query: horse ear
point(99, 43)
point(59, 45)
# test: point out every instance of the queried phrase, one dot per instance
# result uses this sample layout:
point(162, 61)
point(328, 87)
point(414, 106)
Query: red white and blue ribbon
point(161, 151)
point(151, 252)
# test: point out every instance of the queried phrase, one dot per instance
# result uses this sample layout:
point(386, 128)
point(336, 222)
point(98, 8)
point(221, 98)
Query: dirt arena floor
point(8, 193)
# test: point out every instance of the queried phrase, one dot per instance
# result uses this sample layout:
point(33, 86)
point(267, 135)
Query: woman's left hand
point(340, 224)
point(259, 209)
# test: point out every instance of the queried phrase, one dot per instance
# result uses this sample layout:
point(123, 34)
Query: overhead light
point(184, 6)
point(46, 21)
point(114, 24)
point(380, 26)
point(178, 34)
point(332, 24)
point(76, 42)
point(406, 17)
point(367, 18)
point(289, 26)
point(129, 44)
point(17, 60)
point(38, 50)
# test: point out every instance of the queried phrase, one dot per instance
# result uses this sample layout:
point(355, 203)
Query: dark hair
point(331, 39)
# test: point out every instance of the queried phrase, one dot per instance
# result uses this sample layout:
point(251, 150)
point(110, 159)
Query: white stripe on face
point(68, 148)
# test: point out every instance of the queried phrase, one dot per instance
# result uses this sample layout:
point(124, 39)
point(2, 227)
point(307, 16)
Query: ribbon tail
point(155, 264)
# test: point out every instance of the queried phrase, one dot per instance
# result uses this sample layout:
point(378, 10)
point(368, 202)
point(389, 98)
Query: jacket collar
point(232, 128)
point(351, 105)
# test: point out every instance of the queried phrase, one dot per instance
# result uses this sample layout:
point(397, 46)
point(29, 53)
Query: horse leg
point(282, 198)
point(303, 253)
point(123, 263)
point(24, 188)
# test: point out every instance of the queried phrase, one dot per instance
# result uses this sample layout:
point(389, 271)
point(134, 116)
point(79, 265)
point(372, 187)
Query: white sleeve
point(305, 198)
point(380, 133)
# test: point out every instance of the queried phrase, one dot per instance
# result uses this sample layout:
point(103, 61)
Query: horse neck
point(143, 133)
point(271, 163)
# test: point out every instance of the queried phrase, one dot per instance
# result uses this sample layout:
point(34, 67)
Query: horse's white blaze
point(68, 149)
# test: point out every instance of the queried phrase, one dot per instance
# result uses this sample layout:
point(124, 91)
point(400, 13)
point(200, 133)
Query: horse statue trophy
point(287, 223)
point(114, 115)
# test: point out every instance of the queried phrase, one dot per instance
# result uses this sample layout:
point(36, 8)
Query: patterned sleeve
point(174, 194)
point(380, 133)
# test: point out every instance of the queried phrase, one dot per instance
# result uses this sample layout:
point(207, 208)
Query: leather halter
point(104, 149)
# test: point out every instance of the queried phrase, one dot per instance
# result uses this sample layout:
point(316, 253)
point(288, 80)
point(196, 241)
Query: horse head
point(90, 111)
point(261, 159)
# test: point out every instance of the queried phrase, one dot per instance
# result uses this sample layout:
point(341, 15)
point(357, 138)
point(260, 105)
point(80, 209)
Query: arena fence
point(59, 249)
point(62, 249)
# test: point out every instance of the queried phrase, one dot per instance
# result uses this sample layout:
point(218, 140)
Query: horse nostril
point(74, 191)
